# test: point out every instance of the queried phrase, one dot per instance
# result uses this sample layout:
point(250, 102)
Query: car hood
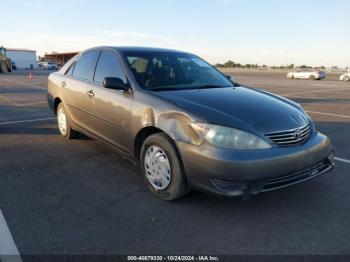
point(238, 107)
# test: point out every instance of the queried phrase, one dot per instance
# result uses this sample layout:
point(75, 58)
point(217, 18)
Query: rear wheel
point(312, 77)
point(63, 123)
point(3, 67)
point(292, 77)
point(161, 168)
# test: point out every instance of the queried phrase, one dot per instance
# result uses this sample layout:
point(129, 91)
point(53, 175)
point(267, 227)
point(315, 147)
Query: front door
point(112, 108)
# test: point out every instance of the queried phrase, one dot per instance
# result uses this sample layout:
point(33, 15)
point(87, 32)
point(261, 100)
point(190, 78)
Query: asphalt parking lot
point(79, 197)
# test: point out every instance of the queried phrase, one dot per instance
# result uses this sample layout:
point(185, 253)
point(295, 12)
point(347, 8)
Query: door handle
point(91, 93)
point(64, 84)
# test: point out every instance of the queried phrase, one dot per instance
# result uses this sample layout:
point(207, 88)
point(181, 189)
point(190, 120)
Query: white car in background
point(345, 77)
point(49, 66)
point(310, 74)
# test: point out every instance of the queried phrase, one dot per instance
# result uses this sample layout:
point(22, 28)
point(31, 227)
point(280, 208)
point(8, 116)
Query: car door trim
point(120, 127)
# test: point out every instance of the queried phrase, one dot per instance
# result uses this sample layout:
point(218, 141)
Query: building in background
point(58, 58)
point(23, 58)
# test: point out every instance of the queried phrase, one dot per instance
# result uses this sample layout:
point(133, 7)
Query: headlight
point(229, 137)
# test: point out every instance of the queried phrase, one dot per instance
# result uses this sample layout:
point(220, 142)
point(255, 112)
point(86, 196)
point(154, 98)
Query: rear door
point(111, 107)
point(77, 89)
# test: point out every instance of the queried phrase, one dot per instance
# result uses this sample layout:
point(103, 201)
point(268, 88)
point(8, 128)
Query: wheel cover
point(62, 121)
point(157, 167)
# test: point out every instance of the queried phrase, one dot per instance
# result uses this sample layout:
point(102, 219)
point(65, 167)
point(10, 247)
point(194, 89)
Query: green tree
point(230, 63)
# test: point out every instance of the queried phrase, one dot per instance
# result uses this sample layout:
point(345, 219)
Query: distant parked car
point(49, 66)
point(13, 64)
point(345, 77)
point(310, 74)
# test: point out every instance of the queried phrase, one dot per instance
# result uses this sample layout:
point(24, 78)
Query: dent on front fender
point(177, 125)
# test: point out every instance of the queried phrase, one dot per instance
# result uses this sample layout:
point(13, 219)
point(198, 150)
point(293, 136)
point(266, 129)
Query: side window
point(70, 70)
point(85, 64)
point(108, 65)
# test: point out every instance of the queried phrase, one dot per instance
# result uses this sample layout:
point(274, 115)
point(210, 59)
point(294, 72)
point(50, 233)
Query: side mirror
point(230, 78)
point(115, 83)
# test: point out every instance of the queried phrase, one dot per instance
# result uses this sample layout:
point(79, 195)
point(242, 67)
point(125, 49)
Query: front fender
point(177, 125)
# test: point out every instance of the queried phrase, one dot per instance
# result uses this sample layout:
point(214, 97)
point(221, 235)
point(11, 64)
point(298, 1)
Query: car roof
point(138, 49)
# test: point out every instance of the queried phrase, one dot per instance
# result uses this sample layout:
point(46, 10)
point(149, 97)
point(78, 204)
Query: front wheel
point(161, 168)
point(63, 123)
point(346, 78)
point(312, 77)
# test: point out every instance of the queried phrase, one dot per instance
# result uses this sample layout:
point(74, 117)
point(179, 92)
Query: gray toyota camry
point(185, 124)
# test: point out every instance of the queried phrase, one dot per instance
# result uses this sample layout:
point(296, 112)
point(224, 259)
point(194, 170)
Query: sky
point(272, 32)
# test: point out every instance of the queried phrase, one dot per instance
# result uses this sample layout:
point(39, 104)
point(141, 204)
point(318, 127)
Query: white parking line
point(342, 160)
point(8, 248)
point(322, 85)
point(26, 121)
point(316, 91)
point(24, 83)
point(327, 114)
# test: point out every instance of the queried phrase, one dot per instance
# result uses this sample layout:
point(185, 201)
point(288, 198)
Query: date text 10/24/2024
point(173, 258)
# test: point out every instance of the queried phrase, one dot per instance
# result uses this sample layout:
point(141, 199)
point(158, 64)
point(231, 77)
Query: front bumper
point(238, 172)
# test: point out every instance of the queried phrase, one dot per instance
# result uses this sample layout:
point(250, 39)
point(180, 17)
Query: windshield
point(162, 70)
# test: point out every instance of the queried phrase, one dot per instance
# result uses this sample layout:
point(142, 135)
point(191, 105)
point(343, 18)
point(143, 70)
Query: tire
point(3, 67)
point(346, 78)
point(292, 77)
point(62, 117)
point(312, 77)
point(159, 157)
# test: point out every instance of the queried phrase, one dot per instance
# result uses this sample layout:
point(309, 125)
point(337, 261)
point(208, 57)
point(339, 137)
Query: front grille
point(254, 187)
point(226, 185)
point(290, 137)
point(306, 174)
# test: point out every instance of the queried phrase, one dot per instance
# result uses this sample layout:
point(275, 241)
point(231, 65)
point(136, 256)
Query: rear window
point(85, 64)
point(67, 65)
point(70, 69)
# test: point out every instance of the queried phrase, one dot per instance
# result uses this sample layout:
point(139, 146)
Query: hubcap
point(157, 167)
point(62, 121)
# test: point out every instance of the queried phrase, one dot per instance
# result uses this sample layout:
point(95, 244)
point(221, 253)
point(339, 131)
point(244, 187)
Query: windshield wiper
point(211, 86)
